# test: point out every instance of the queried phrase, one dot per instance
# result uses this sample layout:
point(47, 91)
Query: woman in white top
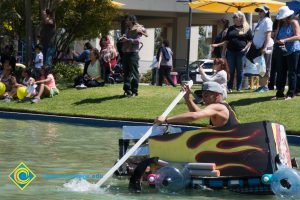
point(221, 74)
point(262, 40)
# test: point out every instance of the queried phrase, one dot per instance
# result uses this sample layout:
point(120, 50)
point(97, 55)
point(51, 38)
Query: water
point(63, 149)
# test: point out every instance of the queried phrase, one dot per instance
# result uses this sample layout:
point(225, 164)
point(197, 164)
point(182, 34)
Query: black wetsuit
point(232, 119)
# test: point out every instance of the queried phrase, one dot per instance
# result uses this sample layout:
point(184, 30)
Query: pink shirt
point(51, 84)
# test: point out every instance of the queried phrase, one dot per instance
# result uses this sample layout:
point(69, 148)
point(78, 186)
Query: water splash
point(82, 185)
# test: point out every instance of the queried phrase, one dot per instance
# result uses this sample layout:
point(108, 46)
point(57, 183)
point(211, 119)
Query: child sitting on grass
point(9, 80)
point(28, 81)
point(47, 86)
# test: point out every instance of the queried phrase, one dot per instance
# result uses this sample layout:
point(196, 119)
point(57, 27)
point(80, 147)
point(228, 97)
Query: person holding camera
point(220, 75)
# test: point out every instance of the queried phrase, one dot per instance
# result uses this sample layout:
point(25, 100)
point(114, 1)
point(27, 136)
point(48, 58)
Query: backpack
point(165, 53)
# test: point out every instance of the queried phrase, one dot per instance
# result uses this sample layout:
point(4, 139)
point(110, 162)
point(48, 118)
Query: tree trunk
point(28, 23)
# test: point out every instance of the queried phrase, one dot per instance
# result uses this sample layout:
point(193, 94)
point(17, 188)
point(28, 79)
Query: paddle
point(147, 134)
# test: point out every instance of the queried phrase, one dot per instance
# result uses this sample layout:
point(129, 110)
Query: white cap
point(212, 86)
point(284, 12)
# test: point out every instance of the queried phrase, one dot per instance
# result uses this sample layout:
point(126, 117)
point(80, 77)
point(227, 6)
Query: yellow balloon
point(2, 88)
point(21, 92)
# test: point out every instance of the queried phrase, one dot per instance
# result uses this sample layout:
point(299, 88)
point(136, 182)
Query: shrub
point(66, 72)
point(146, 78)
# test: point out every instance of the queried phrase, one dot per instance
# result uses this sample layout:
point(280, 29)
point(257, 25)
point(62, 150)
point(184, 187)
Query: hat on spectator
point(284, 12)
point(264, 8)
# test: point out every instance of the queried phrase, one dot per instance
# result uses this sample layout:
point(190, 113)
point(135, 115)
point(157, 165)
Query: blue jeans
point(236, 61)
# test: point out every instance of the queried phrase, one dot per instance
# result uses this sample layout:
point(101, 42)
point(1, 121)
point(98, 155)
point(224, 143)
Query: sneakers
point(130, 94)
point(277, 98)
point(7, 99)
point(288, 98)
point(283, 98)
point(81, 86)
point(36, 99)
point(25, 99)
point(127, 94)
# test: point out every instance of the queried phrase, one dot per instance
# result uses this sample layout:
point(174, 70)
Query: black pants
point(287, 67)
point(131, 72)
point(273, 72)
point(89, 83)
point(298, 77)
point(164, 71)
point(154, 78)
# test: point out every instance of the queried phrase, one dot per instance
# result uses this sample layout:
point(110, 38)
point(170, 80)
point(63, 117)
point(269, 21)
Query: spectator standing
point(108, 57)
point(130, 59)
point(297, 92)
point(38, 61)
point(237, 42)
point(154, 71)
point(217, 50)
point(273, 71)
point(263, 42)
point(288, 36)
point(165, 63)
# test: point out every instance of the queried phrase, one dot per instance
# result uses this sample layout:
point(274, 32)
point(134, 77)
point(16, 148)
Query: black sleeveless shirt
point(232, 119)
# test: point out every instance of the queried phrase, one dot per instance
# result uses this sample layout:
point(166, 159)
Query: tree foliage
point(74, 19)
point(82, 19)
point(11, 18)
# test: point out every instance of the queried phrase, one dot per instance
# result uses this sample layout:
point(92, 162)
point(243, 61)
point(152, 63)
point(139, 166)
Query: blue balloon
point(285, 183)
point(171, 180)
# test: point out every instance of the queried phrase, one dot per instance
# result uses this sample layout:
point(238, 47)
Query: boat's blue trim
point(292, 139)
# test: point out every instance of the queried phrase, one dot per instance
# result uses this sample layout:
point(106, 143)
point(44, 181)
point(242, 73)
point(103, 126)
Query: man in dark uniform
point(219, 113)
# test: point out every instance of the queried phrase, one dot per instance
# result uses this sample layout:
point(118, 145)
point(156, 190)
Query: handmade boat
point(243, 158)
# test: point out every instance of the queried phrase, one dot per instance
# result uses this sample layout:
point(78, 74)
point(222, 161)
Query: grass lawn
point(152, 101)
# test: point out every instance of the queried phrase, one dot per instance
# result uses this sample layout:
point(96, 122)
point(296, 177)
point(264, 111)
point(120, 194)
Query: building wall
point(147, 51)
